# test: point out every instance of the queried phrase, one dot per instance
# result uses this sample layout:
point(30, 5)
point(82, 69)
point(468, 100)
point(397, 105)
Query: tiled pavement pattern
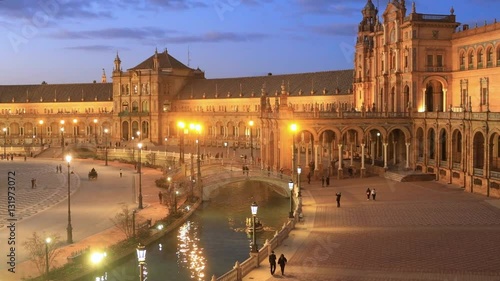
point(51, 188)
point(414, 231)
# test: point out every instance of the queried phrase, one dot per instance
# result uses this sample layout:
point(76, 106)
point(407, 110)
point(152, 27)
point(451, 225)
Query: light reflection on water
point(212, 240)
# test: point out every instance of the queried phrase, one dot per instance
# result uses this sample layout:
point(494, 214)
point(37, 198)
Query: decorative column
point(340, 170)
point(363, 169)
point(407, 155)
point(385, 144)
point(307, 156)
point(372, 153)
point(298, 153)
point(352, 155)
point(316, 157)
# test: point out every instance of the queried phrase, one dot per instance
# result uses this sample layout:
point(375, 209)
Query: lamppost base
point(140, 202)
point(69, 230)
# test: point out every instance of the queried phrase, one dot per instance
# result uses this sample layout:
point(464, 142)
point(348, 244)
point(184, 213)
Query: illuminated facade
point(418, 98)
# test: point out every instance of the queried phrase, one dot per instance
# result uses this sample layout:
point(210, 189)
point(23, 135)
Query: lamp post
point(181, 125)
point(139, 169)
point(141, 258)
point(176, 193)
point(95, 131)
point(254, 209)
point(106, 147)
point(4, 143)
point(290, 186)
point(251, 140)
point(376, 149)
point(41, 132)
point(198, 159)
point(226, 146)
point(47, 242)
point(293, 128)
point(69, 228)
point(75, 129)
point(299, 170)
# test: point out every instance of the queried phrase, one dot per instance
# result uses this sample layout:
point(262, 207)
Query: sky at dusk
point(71, 41)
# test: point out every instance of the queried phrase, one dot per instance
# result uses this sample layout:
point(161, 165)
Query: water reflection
point(212, 240)
point(189, 252)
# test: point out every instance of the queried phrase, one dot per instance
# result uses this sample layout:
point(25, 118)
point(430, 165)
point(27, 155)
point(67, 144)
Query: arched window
point(489, 56)
point(135, 107)
point(462, 61)
point(471, 60)
point(125, 106)
point(480, 58)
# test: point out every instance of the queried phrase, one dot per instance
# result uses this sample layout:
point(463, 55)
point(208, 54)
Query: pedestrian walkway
point(413, 231)
point(152, 210)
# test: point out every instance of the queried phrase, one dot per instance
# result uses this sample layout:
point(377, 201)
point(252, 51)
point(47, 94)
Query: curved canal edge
point(131, 248)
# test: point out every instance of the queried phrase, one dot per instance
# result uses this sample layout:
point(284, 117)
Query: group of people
point(371, 192)
point(281, 261)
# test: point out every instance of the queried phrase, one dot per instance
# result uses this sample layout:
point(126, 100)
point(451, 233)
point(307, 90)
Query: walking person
point(282, 262)
point(327, 180)
point(368, 193)
point(160, 196)
point(121, 174)
point(374, 194)
point(323, 181)
point(33, 183)
point(309, 177)
point(338, 194)
point(272, 262)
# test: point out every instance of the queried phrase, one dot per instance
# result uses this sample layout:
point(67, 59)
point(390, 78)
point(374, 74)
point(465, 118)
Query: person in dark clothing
point(272, 262)
point(322, 181)
point(338, 194)
point(282, 262)
point(327, 180)
point(160, 197)
point(374, 194)
point(309, 177)
point(368, 192)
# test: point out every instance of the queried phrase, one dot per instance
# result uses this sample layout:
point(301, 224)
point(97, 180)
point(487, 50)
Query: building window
point(480, 58)
point(125, 106)
point(439, 60)
point(462, 61)
point(429, 60)
point(489, 56)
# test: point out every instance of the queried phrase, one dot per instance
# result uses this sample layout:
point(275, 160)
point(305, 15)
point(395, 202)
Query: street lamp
point(106, 146)
point(69, 228)
point(41, 132)
point(251, 140)
point(139, 169)
point(290, 186)
point(197, 127)
point(75, 129)
point(141, 258)
point(299, 170)
point(95, 130)
point(181, 125)
point(47, 242)
point(254, 208)
point(293, 128)
point(4, 143)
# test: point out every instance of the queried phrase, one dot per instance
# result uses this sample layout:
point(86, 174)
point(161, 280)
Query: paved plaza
point(414, 231)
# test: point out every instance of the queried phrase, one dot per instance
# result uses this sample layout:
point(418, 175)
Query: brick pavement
point(414, 231)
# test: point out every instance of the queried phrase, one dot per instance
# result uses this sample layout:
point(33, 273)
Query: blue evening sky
point(71, 41)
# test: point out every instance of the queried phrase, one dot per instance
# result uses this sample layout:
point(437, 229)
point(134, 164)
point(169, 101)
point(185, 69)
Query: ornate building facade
point(421, 96)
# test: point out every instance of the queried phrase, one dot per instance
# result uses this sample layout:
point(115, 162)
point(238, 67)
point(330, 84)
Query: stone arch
point(478, 143)
point(431, 144)
point(461, 61)
point(420, 143)
point(456, 147)
point(479, 57)
point(470, 58)
point(494, 151)
point(396, 148)
point(406, 98)
point(125, 131)
point(443, 144)
point(375, 136)
point(145, 129)
point(434, 99)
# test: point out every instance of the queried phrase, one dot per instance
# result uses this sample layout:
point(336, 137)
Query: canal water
point(212, 240)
